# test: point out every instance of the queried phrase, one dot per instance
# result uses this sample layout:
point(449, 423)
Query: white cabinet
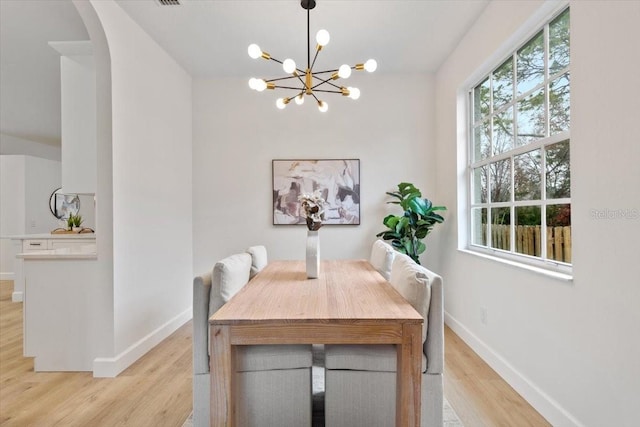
point(57, 244)
point(59, 302)
point(33, 245)
point(41, 242)
point(37, 243)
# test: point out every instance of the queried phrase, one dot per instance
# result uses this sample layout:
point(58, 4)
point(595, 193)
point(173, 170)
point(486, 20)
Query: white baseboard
point(16, 297)
point(110, 367)
point(7, 276)
point(543, 403)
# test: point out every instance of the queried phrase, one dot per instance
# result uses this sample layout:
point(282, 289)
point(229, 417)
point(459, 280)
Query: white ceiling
point(210, 37)
point(30, 69)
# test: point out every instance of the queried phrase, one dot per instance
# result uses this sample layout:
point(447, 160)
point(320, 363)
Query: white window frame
point(512, 257)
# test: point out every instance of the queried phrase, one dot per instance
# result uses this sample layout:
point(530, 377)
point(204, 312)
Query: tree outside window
point(520, 174)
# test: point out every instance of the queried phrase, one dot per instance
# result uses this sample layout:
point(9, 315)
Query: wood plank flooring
point(156, 390)
point(480, 397)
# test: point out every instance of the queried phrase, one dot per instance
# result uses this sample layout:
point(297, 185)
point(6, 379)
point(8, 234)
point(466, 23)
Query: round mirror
point(63, 205)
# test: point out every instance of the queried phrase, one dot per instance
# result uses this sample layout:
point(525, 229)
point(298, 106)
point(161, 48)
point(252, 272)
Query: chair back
point(229, 276)
point(412, 282)
point(210, 292)
point(381, 258)
point(258, 259)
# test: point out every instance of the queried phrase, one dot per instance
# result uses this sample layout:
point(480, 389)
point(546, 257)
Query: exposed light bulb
point(260, 85)
point(344, 71)
point(323, 37)
point(371, 65)
point(300, 99)
point(252, 83)
point(354, 92)
point(280, 103)
point(254, 51)
point(323, 106)
point(289, 66)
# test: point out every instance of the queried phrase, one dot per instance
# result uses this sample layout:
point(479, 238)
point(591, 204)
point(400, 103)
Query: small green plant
point(77, 220)
point(407, 231)
point(74, 221)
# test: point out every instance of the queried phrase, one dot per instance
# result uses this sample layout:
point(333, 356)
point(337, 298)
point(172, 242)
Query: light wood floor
point(156, 390)
point(478, 394)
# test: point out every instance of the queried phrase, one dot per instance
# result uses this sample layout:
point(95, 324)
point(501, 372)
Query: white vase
point(313, 254)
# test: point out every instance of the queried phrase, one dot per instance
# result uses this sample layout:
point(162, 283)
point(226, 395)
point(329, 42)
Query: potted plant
point(407, 231)
point(76, 222)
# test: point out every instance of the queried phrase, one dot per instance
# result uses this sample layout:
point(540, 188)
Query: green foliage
point(407, 231)
point(74, 221)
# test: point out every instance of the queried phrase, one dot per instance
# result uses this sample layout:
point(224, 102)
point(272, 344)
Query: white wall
point(26, 185)
point(42, 177)
point(78, 118)
point(12, 209)
point(152, 226)
point(569, 348)
point(237, 132)
point(10, 144)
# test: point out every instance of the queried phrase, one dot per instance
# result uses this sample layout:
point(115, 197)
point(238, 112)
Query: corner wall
point(237, 132)
point(569, 348)
point(151, 193)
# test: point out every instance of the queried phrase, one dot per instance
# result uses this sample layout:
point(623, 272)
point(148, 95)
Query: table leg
point(409, 376)
point(222, 370)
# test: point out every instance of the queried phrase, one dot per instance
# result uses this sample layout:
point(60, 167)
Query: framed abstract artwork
point(336, 181)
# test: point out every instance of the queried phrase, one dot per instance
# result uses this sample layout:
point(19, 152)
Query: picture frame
point(63, 205)
point(336, 180)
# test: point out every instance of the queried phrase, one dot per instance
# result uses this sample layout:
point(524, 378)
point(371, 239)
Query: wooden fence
point(529, 240)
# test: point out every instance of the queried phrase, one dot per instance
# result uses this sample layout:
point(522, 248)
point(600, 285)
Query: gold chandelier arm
point(318, 49)
point(328, 91)
point(288, 87)
point(327, 71)
point(304, 85)
point(274, 59)
point(327, 81)
point(282, 78)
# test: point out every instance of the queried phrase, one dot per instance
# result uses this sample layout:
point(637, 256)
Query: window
point(519, 168)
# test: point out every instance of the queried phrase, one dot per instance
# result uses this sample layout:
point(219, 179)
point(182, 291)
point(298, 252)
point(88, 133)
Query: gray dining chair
point(381, 257)
point(258, 259)
point(273, 381)
point(360, 380)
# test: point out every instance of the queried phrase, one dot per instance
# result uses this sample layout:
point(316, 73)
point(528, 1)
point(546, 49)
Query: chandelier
point(308, 82)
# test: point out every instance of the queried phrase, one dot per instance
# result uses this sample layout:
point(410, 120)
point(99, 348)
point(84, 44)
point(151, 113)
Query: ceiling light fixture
point(311, 82)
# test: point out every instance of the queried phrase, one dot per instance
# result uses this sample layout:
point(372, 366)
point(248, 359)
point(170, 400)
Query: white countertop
point(87, 236)
point(77, 252)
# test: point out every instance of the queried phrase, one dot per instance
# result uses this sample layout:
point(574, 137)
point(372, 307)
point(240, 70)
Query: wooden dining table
point(349, 303)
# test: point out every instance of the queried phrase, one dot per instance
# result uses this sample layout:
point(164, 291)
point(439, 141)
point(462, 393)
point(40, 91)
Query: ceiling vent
point(168, 2)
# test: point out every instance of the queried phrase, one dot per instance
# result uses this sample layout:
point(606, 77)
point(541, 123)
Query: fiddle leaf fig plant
point(407, 231)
